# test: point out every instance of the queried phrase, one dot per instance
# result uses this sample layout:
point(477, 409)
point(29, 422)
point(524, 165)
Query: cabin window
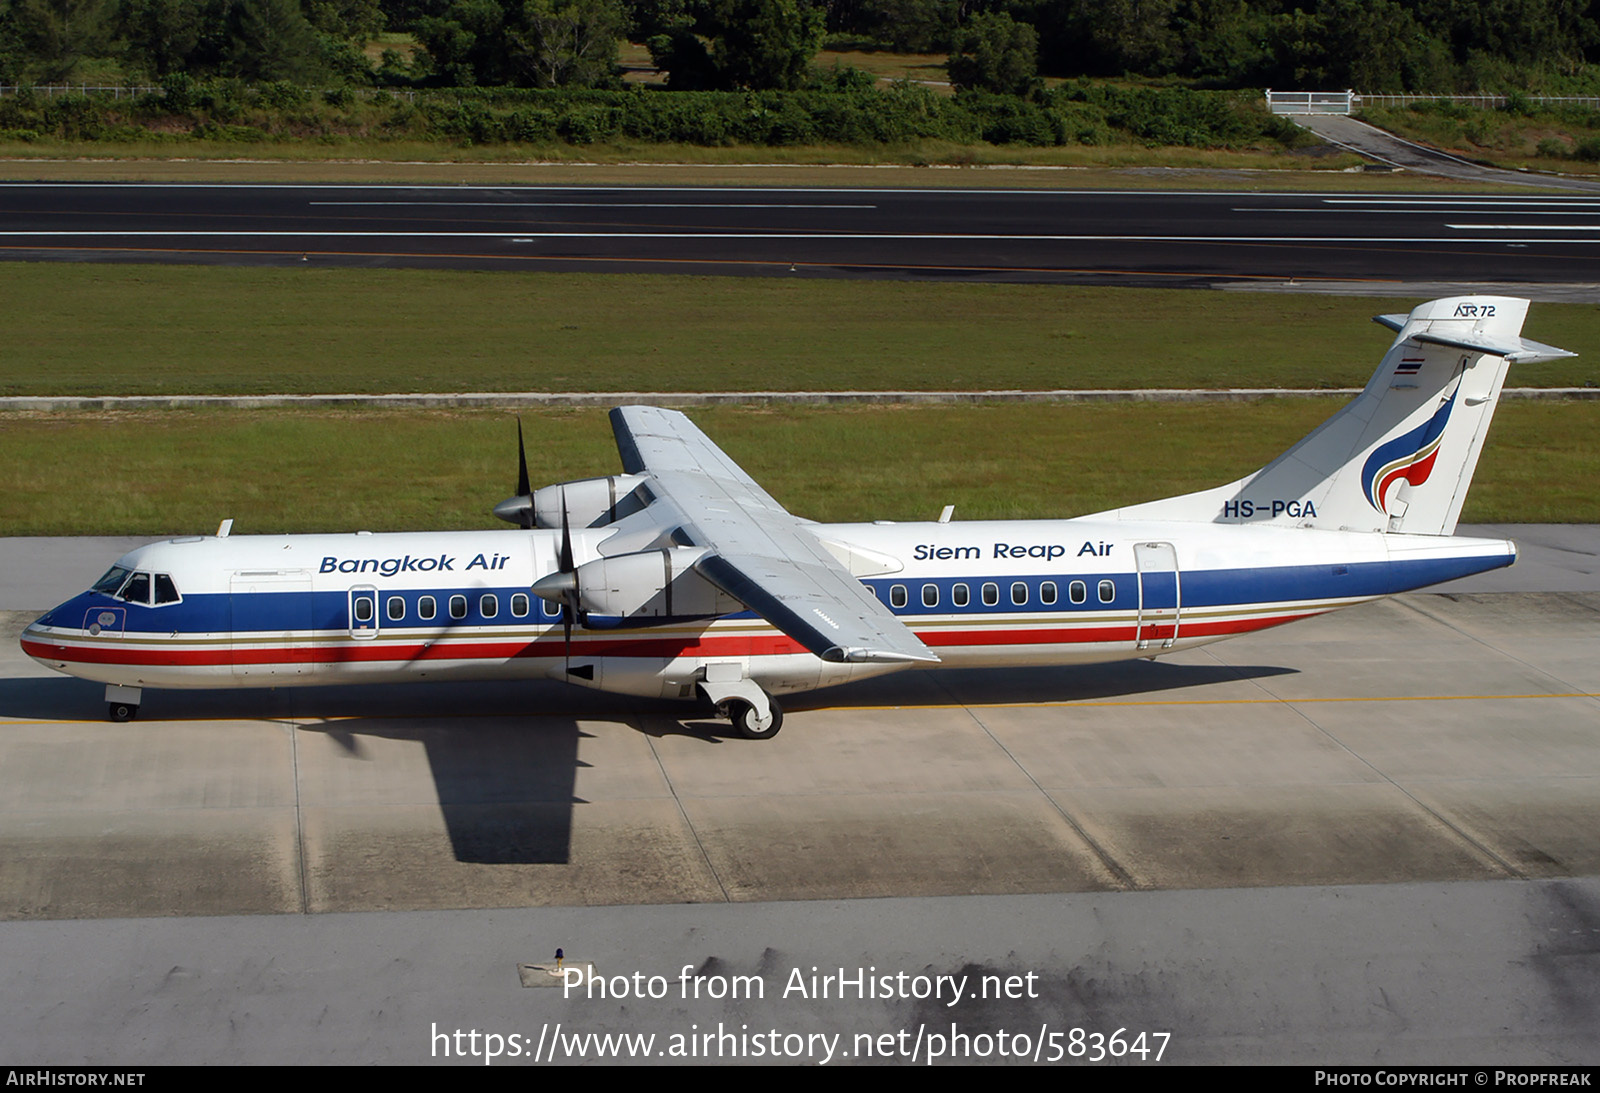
point(1077, 591)
point(363, 608)
point(1019, 593)
point(397, 608)
point(519, 604)
point(458, 607)
point(991, 594)
point(166, 591)
point(488, 606)
point(930, 595)
point(1047, 592)
point(137, 590)
point(551, 609)
point(426, 608)
point(897, 596)
point(1108, 591)
point(111, 582)
point(959, 595)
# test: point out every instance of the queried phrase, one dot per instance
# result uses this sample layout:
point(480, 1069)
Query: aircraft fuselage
point(251, 611)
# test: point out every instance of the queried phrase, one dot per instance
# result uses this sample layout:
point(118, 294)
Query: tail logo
point(1409, 457)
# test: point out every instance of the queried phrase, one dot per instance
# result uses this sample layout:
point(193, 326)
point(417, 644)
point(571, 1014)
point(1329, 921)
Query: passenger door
point(1160, 595)
point(270, 631)
point(364, 612)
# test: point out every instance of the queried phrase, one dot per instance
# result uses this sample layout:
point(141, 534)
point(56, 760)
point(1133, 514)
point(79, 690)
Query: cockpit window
point(137, 590)
point(111, 582)
point(166, 591)
point(120, 584)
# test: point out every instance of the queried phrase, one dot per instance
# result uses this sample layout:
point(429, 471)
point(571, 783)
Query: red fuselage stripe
point(113, 652)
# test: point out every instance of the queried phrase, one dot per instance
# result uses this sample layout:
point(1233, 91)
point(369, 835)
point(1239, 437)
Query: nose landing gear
point(122, 702)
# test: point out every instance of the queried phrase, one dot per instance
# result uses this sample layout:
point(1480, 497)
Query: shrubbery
point(907, 113)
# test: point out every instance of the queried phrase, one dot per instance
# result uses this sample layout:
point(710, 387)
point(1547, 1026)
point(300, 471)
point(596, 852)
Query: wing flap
point(758, 552)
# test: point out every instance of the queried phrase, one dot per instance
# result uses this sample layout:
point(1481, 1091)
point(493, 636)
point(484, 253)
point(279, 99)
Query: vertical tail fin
point(1401, 456)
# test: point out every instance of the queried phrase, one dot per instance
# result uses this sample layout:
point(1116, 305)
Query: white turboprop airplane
point(682, 578)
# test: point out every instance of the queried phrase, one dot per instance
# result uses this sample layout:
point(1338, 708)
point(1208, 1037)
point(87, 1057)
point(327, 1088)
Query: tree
point(1369, 45)
point(993, 52)
point(525, 43)
point(345, 19)
point(1229, 41)
point(568, 43)
point(1134, 35)
point(766, 43)
point(162, 35)
point(271, 40)
point(911, 26)
point(464, 42)
point(728, 44)
point(51, 37)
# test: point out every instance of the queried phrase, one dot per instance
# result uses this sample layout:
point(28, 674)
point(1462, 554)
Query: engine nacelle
point(590, 502)
point(643, 589)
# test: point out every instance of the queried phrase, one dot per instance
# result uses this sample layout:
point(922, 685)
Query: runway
point(1361, 838)
point(1130, 237)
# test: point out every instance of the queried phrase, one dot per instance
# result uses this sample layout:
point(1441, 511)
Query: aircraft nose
point(34, 634)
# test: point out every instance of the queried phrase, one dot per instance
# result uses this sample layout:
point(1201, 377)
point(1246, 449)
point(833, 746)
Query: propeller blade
point(519, 509)
point(564, 557)
point(569, 605)
point(523, 486)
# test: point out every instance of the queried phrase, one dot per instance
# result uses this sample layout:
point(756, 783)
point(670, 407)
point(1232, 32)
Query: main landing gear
point(754, 714)
point(748, 720)
point(122, 702)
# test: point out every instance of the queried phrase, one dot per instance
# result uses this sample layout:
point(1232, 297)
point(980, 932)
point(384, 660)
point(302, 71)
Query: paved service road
point(1069, 236)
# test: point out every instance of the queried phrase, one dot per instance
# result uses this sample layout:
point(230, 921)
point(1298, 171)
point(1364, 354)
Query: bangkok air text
point(388, 567)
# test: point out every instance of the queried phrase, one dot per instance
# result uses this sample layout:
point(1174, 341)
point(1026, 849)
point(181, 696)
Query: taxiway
point(1366, 837)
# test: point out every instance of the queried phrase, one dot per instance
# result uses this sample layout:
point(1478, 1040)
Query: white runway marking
point(1519, 203)
point(314, 233)
point(586, 205)
point(1552, 210)
point(1525, 227)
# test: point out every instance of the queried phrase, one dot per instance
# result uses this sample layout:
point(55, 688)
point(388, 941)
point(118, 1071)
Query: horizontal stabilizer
point(1514, 349)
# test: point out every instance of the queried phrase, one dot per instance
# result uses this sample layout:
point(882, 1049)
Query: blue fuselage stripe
point(219, 613)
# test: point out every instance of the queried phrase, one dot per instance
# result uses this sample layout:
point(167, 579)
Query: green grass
point(401, 154)
point(889, 66)
point(1541, 140)
point(107, 329)
point(181, 472)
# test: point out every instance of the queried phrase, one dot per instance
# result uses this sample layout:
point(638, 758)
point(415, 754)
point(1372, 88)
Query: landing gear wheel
point(123, 711)
point(743, 716)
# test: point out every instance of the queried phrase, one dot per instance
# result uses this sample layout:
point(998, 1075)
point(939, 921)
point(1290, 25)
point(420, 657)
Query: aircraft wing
point(757, 551)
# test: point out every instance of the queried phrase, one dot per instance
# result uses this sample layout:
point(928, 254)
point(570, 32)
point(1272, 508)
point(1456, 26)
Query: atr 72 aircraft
point(682, 578)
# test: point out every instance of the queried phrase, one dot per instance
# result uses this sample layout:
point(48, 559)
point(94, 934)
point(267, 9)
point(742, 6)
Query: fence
point(1347, 102)
point(1310, 102)
point(1488, 102)
point(53, 91)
